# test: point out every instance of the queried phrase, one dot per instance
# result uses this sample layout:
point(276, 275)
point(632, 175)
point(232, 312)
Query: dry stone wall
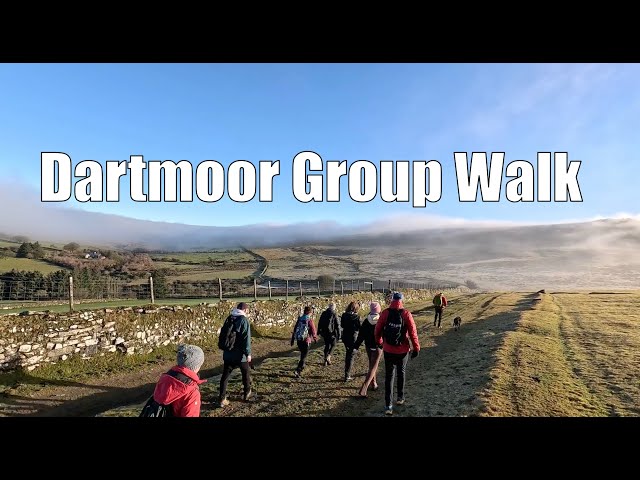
point(30, 340)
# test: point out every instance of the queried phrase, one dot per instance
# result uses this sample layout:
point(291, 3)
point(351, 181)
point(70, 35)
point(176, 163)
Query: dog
point(456, 323)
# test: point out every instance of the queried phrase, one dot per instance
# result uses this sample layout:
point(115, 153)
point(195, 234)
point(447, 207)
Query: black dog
point(456, 323)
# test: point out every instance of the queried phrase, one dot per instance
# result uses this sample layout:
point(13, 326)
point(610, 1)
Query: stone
point(109, 324)
point(24, 348)
point(118, 341)
point(50, 346)
point(166, 342)
point(76, 350)
point(73, 327)
point(130, 350)
point(91, 350)
point(80, 345)
point(34, 360)
point(139, 310)
point(57, 346)
point(91, 342)
point(32, 367)
point(108, 310)
point(64, 357)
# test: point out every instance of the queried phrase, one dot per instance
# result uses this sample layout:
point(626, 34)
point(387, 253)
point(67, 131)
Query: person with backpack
point(350, 323)
point(439, 302)
point(396, 330)
point(177, 393)
point(303, 331)
point(329, 328)
point(374, 350)
point(235, 341)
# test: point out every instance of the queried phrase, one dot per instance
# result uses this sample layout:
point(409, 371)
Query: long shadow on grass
point(91, 405)
point(447, 378)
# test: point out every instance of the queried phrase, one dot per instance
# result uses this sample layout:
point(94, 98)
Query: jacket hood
point(238, 313)
point(396, 304)
point(372, 318)
point(169, 389)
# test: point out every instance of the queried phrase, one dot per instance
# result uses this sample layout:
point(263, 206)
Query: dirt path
point(73, 399)
point(447, 379)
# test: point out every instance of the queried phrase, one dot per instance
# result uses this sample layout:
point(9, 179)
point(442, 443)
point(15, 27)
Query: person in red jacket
point(303, 332)
point(179, 386)
point(395, 329)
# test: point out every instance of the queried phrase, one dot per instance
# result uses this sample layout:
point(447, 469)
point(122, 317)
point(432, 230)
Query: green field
point(202, 257)
point(8, 263)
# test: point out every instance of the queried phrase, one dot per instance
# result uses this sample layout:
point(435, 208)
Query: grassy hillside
point(11, 263)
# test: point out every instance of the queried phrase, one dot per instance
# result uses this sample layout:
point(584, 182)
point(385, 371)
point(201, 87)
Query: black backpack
point(394, 330)
point(156, 409)
point(227, 338)
point(325, 325)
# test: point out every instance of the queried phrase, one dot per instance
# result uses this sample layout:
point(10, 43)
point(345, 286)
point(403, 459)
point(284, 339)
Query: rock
point(91, 350)
point(108, 310)
point(91, 342)
point(32, 367)
point(24, 348)
point(139, 310)
point(64, 357)
point(130, 350)
point(73, 327)
point(80, 345)
point(151, 310)
point(76, 350)
point(109, 324)
point(118, 341)
point(57, 346)
point(50, 346)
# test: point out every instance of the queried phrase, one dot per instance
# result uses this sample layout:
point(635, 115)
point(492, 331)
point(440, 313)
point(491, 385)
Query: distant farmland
point(11, 263)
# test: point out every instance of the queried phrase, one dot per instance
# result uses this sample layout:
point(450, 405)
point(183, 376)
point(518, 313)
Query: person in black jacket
point(329, 328)
point(374, 350)
point(350, 322)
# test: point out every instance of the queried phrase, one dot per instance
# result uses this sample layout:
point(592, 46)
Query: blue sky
point(254, 112)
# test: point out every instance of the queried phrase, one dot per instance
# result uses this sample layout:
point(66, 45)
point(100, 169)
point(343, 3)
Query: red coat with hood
point(410, 332)
point(185, 399)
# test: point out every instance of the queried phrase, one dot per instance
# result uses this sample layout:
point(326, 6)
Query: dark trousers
point(438, 316)
point(391, 362)
point(226, 372)
point(329, 345)
point(348, 360)
point(303, 346)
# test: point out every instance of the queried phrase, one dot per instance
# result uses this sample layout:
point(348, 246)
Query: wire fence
point(71, 289)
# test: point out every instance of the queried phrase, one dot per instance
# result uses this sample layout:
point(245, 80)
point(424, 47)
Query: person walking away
point(236, 331)
point(303, 332)
point(350, 323)
point(374, 350)
point(329, 328)
point(396, 329)
point(178, 387)
point(439, 301)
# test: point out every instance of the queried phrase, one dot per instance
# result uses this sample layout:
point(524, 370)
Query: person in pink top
point(396, 330)
point(303, 332)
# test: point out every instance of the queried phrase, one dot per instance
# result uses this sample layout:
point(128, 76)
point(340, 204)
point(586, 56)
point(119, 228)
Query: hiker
point(439, 301)
point(329, 328)
point(374, 350)
point(238, 354)
point(396, 328)
point(179, 386)
point(350, 323)
point(303, 332)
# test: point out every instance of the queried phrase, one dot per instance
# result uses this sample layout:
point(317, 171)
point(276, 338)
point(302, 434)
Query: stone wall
point(31, 340)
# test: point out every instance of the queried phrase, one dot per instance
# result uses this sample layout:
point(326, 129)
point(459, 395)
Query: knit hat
point(398, 296)
point(190, 356)
point(375, 307)
point(332, 307)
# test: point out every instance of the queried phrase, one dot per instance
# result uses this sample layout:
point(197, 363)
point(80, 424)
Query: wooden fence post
point(71, 294)
point(342, 288)
point(287, 294)
point(153, 300)
point(269, 289)
point(319, 289)
point(255, 289)
point(220, 287)
point(300, 289)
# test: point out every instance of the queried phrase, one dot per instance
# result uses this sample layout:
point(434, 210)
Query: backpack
point(437, 300)
point(302, 330)
point(327, 323)
point(156, 409)
point(227, 338)
point(394, 328)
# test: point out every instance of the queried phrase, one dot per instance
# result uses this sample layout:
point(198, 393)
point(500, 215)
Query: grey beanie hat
point(190, 356)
